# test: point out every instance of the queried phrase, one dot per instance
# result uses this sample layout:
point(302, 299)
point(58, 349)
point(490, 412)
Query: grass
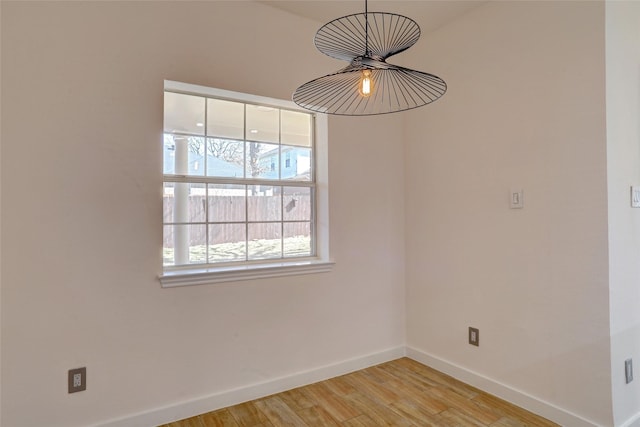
point(258, 249)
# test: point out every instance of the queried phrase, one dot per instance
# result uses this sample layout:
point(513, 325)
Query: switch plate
point(77, 380)
point(516, 199)
point(635, 196)
point(474, 336)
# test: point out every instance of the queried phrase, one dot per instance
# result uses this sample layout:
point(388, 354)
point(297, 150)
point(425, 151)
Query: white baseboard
point(226, 398)
point(223, 399)
point(505, 392)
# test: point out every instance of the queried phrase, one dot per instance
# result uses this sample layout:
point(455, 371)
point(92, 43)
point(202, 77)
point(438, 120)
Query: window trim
point(204, 276)
point(320, 263)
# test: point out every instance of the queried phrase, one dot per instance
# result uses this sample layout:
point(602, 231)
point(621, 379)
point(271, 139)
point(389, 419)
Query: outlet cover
point(77, 380)
point(516, 199)
point(474, 336)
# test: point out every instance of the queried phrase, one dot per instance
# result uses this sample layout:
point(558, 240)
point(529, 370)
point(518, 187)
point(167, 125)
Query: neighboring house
point(295, 163)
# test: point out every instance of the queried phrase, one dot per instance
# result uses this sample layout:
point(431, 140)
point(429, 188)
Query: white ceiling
point(429, 14)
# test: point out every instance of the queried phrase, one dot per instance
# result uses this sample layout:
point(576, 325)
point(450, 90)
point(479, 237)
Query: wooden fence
point(233, 209)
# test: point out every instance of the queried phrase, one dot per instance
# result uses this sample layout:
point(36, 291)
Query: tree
point(231, 151)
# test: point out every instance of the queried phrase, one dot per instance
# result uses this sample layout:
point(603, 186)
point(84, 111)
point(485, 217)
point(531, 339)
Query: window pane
point(227, 242)
point(263, 161)
point(296, 163)
point(264, 203)
point(183, 113)
point(184, 202)
point(297, 239)
point(225, 119)
point(225, 158)
point(297, 203)
point(264, 241)
point(168, 202)
point(227, 203)
point(183, 155)
point(169, 155)
point(184, 244)
point(168, 252)
point(296, 128)
point(197, 243)
point(263, 123)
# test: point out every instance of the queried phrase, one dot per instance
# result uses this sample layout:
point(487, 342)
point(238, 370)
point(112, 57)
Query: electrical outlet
point(628, 370)
point(516, 200)
point(77, 380)
point(474, 336)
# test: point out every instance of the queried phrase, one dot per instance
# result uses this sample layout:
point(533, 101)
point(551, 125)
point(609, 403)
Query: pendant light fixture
point(368, 85)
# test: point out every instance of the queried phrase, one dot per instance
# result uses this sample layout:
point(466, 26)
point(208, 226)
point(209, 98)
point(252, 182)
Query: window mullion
point(206, 185)
point(246, 223)
point(313, 226)
point(281, 221)
point(246, 187)
point(235, 181)
point(206, 219)
point(281, 187)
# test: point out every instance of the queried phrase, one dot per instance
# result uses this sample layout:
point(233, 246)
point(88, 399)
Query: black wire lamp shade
point(368, 85)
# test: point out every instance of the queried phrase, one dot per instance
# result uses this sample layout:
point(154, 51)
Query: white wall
point(81, 215)
point(623, 159)
point(80, 177)
point(525, 109)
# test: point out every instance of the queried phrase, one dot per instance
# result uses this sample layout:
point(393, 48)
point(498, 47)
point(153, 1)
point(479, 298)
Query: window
point(233, 208)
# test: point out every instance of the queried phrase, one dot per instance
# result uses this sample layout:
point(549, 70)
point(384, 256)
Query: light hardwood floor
point(398, 393)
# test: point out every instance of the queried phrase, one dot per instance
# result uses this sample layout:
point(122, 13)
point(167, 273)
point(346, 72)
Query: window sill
point(205, 276)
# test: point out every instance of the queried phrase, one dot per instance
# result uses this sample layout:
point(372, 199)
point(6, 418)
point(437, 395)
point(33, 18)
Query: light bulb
point(366, 84)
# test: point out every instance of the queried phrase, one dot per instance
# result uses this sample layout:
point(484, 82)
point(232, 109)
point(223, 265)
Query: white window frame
point(320, 263)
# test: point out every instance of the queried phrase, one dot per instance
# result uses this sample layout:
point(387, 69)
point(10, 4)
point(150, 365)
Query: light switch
point(635, 196)
point(516, 200)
